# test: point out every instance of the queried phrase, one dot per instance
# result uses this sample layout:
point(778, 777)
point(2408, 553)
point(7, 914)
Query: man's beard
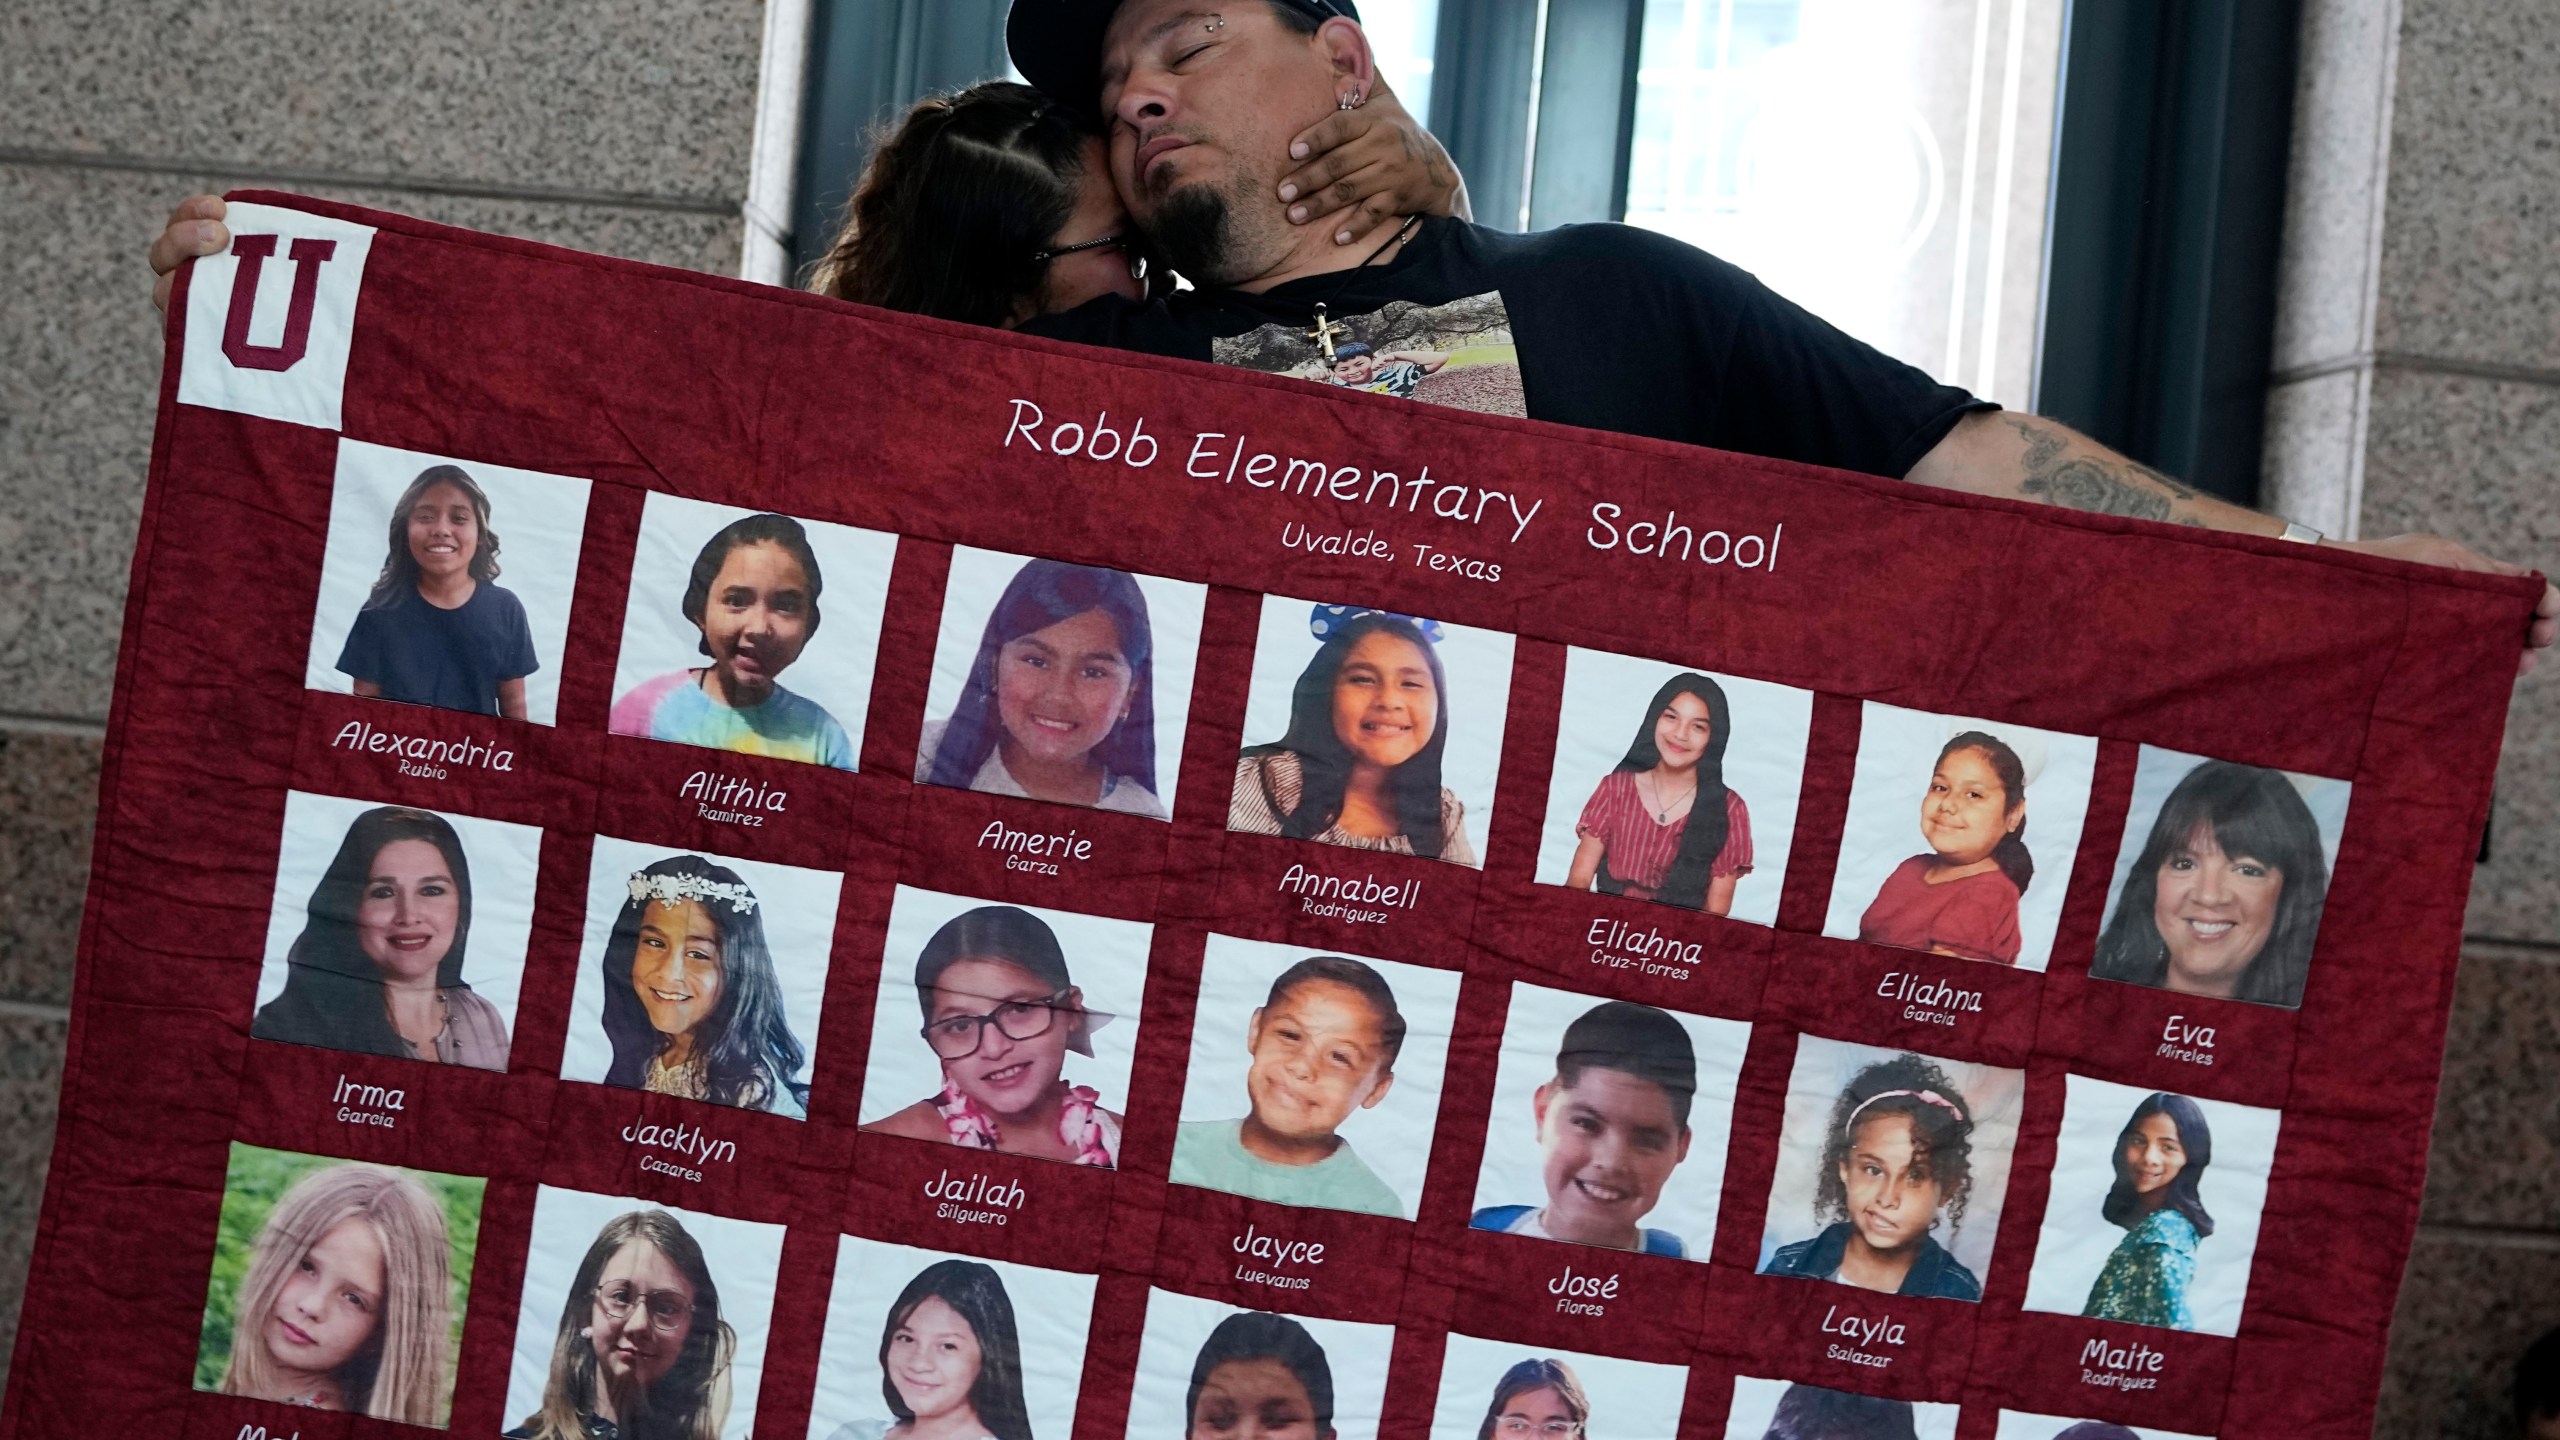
point(1193, 231)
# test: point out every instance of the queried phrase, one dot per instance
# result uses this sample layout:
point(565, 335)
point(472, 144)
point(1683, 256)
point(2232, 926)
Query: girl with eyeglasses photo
point(1538, 1399)
point(641, 1352)
point(1000, 1012)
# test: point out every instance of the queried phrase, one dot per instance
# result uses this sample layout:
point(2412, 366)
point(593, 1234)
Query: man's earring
point(1350, 100)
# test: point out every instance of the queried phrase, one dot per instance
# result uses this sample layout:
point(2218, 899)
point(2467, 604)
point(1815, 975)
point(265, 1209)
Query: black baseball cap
point(1057, 44)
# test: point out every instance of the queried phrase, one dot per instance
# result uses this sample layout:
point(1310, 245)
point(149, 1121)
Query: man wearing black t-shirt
point(1615, 328)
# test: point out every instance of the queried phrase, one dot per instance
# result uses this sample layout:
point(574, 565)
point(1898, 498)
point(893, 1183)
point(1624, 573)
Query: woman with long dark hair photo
point(378, 967)
point(2224, 899)
point(1663, 825)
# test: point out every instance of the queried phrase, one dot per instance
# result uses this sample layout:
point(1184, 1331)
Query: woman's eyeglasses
point(959, 1037)
point(667, 1309)
point(1518, 1428)
point(1137, 258)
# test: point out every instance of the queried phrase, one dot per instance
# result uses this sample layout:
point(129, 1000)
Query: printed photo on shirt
point(2019, 1425)
point(1005, 1027)
point(1206, 1369)
point(2153, 1215)
point(2219, 884)
point(339, 1285)
point(1372, 730)
point(1784, 1410)
point(639, 1319)
point(1314, 1077)
point(419, 600)
point(1892, 1170)
point(1674, 785)
point(920, 1342)
point(723, 601)
point(1609, 1124)
point(397, 931)
point(1458, 354)
point(1961, 836)
point(1060, 682)
point(1493, 1390)
point(701, 976)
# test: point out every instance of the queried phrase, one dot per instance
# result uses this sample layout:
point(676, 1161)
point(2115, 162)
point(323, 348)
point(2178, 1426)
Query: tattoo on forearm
point(2101, 487)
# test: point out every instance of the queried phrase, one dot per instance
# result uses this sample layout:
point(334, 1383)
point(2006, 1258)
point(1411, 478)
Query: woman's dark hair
point(1042, 593)
point(1257, 1335)
point(1941, 1119)
point(1702, 838)
point(1531, 1375)
point(2096, 1430)
point(2249, 812)
point(1809, 1412)
point(333, 996)
point(687, 1402)
point(955, 200)
point(2011, 853)
point(744, 1049)
point(400, 568)
point(1324, 764)
point(976, 1293)
point(2195, 1136)
point(779, 530)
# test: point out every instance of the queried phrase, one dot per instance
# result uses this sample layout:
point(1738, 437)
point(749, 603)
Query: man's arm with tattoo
point(2023, 457)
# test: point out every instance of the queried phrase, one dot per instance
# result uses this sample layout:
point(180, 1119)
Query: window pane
point(1881, 162)
point(1401, 33)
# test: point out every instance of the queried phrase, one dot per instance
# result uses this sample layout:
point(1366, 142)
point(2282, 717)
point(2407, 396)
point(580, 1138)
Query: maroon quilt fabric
point(680, 858)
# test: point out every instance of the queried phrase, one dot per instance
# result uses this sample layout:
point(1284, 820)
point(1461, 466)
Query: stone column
point(2418, 388)
point(625, 129)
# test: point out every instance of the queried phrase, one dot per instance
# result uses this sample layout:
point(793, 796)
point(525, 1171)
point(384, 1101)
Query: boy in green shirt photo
point(1324, 1045)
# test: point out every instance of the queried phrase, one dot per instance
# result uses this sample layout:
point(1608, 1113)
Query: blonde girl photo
point(339, 1285)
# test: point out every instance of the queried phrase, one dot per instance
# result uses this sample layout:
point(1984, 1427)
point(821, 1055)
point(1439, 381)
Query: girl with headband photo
point(642, 1352)
point(346, 1304)
point(1896, 1159)
point(1000, 1012)
point(950, 1361)
point(377, 969)
point(753, 594)
point(1060, 700)
point(1538, 1399)
point(2225, 897)
point(692, 1006)
point(437, 628)
point(1360, 763)
point(1961, 898)
point(2160, 1162)
point(1663, 826)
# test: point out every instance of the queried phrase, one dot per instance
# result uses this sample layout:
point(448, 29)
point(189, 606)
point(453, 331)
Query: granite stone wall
point(623, 126)
point(2418, 388)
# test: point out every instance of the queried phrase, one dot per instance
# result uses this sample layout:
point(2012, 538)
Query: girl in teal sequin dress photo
point(2160, 1162)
